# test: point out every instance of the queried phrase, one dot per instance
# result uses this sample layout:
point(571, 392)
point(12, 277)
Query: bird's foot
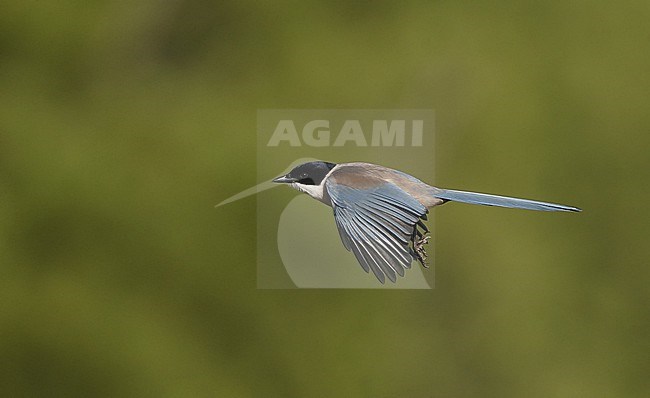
point(420, 252)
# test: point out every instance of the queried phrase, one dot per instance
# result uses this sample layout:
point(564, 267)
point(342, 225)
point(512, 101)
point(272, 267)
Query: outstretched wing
point(376, 223)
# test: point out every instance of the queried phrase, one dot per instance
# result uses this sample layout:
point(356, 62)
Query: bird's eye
point(303, 175)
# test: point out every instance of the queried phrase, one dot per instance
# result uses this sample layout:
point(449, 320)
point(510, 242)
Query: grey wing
point(376, 226)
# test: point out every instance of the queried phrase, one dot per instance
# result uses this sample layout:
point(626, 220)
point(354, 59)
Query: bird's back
point(368, 176)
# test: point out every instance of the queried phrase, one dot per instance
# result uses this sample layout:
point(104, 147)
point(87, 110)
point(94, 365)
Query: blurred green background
point(123, 123)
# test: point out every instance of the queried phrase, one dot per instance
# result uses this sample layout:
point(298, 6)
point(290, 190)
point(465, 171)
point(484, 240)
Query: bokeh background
point(123, 123)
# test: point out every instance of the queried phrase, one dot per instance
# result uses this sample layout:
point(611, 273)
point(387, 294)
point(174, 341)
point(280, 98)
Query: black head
point(311, 173)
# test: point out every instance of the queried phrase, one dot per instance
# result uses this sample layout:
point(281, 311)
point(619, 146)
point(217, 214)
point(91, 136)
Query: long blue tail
point(501, 201)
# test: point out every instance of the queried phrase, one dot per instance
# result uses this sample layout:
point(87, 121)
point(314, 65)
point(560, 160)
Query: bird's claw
point(419, 239)
point(420, 252)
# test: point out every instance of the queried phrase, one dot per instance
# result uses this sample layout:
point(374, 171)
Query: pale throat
point(315, 191)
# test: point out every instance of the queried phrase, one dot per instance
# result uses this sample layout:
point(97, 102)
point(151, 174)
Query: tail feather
point(501, 201)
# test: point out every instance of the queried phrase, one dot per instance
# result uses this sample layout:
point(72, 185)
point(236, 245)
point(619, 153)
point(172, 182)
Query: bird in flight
point(380, 212)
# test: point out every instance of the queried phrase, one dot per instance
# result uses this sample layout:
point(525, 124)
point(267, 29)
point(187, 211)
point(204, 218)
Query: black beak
point(284, 179)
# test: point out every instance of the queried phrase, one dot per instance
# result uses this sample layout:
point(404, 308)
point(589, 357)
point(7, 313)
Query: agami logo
point(285, 244)
point(319, 133)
